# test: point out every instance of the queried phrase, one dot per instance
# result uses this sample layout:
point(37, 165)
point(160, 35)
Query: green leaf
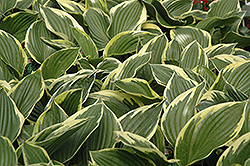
point(246, 126)
point(10, 117)
point(12, 54)
point(233, 37)
point(158, 139)
point(238, 152)
point(109, 64)
point(142, 121)
point(213, 97)
point(241, 52)
point(26, 133)
point(180, 110)
point(137, 87)
point(6, 6)
point(118, 157)
point(177, 8)
point(74, 142)
point(209, 129)
point(70, 101)
point(84, 64)
point(176, 86)
point(126, 42)
point(126, 69)
point(236, 94)
point(59, 22)
point(5, 74)
point(86, 43)
point(98, 4)
point(173, 51)
point(126, 16)
point(23, 4)
point(71, 6)
point(219, 49)
point(119, 102)
point(36, 48)
point(52, 115)
point(58, 44)
point(33, 154)
point(193, 55)
point(34, 89)
point(220, 8)
point(98, 23)
point(206, 73)
point(103, 137)
point(8, 155)
point(186, 35)
point(17, 24)
point(162, 73)
point(59, 62)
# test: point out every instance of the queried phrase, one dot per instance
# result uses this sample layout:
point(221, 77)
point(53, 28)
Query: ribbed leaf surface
point(8, 155)
point(33, 154)
point(18, 23)
point(238, 152)
point(34, 89)
point(180, 110)
point(159, 140)
point(10, 117)
point(5, 74)
point(126, 16)
point(233, 37)
point(36, 48)
point(193, 55)
point(186, 35)
point(177, 8)
point(7, 5)
point(142, 121)
point(119, 157)
point(126, 42)
point(208, 130)
point(206, 73)
point(98, 4)
point(71, 6)
point(173, 51)
point(59, 22)
point(219, 49)
point(23, 4)
point(11, 53)
point(98, 23)
point(59, 62)
point(246, 126)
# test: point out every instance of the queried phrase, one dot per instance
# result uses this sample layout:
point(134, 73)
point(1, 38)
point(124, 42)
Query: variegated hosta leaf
point(71, 6)
point(235, 93)
point(26, 133)
point(219, 49)
point(186, 35)
point(193, 55)
point(126, 42)
point(209, 129)
point(8, 155)
point(34, 89)
point(176, 86)
point(33, 154)
point(59, 22)
point(223, 60)
point(180, 110)
point(109, 64)
point(126, 16)
point(233, 37)
point(98, 4)
point(177, 8)
point(213, 97)
point(143, 147)
point(241, 52)
point(58, 44)
point(103, 137)
point(6, 6)
point(238, 152)
point(246, 126)
point(173, 51)
point(87, 45)
point(59, 62)
point(36, 48)
point(238, 76)
point(84, 64)
point(127, 69)
point(142, 121)
point(206, 73)
point(52, 115)
point(98, 23)
point(119, 157)
point(5, 74)
point(159, 140)
point(12, 54)
point(23, 4)
point(17, 24)
point(119, 102)
point(137, 87)
point(162, 73)
point(220, 8)
point(151, 27)
point(11, 119)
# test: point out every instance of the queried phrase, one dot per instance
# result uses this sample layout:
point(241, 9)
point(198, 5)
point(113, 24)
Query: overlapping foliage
point(124, 83)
